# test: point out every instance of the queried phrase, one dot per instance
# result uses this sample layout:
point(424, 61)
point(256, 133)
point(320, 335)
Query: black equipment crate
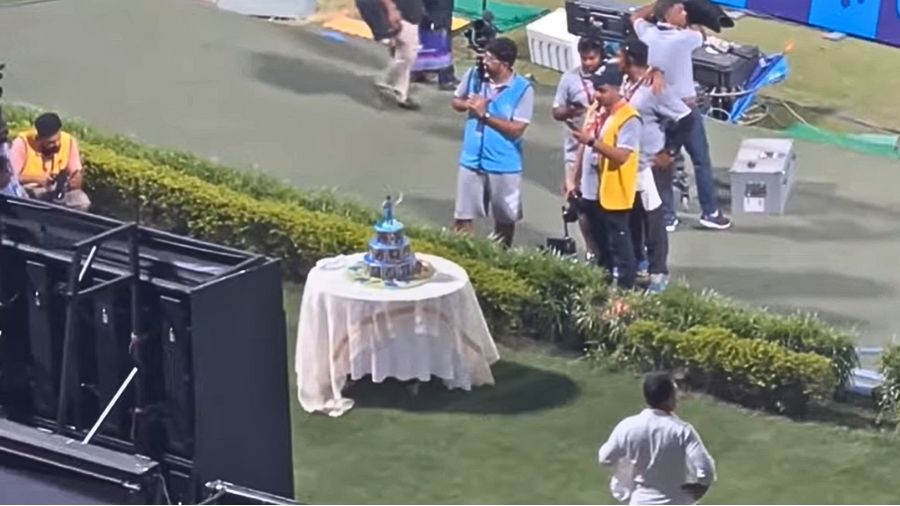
point(725, 71)
point(603, 19)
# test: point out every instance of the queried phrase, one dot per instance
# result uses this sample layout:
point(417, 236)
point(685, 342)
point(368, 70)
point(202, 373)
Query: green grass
point(533, 439)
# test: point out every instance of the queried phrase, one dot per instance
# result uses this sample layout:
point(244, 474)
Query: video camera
point(481, 32)
point(59, 185)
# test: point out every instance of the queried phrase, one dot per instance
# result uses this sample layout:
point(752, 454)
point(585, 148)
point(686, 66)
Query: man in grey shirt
point(659, 113)
point(671, 47)
point(574, 94)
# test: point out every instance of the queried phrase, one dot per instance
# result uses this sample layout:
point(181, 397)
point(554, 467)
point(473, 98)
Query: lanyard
point(587, 90)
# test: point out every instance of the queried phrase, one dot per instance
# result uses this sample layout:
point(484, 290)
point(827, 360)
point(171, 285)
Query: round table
point(347, 328)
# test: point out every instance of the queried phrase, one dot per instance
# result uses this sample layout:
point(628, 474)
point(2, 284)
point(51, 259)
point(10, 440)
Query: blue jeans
point(697, 147)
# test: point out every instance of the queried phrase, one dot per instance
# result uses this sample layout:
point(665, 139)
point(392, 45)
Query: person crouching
point(616, 144)
point(47, 163)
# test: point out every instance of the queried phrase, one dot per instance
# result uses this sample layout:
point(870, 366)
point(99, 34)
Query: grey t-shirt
point(629, 138)
point(524, 109)
point(671, 50)
point(574, 88)
point(657, 113)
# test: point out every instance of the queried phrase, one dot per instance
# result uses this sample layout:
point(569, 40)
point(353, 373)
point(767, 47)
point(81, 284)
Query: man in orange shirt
point(47, 163)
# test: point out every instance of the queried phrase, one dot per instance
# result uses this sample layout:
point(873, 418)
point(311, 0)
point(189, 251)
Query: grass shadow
point(519, 389)
point(849, 410)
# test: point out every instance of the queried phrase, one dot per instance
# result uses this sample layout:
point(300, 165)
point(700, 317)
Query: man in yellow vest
point(616, 144)
point(47, 163)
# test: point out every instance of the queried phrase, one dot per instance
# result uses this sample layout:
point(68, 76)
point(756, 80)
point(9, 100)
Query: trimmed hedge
point(187, 205)
point(526, 290)
point(888, 394)
point(681, 308)
point(753, 372)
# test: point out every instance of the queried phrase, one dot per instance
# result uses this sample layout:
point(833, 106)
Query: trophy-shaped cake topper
point(387, 209)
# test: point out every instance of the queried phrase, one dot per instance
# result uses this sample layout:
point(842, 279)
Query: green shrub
point(190, 206)
point(681, 308)
point(753, 372)
point(888, 393)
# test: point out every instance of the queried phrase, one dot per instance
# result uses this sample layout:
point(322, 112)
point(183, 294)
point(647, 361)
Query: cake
point(390, 256)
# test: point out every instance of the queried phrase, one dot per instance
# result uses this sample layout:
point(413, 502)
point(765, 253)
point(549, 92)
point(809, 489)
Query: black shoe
point(716, 221)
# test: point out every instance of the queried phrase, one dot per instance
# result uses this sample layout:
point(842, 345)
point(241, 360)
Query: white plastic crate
point(550, 43)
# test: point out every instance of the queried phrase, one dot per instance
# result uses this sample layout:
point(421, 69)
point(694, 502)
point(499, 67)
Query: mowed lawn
point(533, 439)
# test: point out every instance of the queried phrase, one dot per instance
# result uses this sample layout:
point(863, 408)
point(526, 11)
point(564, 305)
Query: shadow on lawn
point(518, 389)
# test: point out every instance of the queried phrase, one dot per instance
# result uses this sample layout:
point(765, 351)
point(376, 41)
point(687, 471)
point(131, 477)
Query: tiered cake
point(390, 256)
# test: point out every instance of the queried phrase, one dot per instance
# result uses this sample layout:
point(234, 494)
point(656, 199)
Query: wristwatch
point(487, 116)
point(591, 143)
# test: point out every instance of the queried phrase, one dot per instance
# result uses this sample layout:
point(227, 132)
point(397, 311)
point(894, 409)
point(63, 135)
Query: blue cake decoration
point(390, 256)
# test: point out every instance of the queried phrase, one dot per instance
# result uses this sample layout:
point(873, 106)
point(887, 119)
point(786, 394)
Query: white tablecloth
point(348, 329)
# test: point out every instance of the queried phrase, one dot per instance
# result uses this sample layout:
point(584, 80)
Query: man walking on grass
point(671, 46)
point(657, 457)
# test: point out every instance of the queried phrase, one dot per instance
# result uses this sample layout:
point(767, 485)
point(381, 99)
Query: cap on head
point(504, 50)
point(609, 75)
point(659, 390)
point(47, 125)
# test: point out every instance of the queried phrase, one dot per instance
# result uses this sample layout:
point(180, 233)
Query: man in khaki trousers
point(397, 23)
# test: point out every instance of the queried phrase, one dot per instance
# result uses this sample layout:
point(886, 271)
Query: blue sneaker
point(643, 267)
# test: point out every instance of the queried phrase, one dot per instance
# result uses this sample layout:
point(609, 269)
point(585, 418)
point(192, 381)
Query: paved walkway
point(298, 105)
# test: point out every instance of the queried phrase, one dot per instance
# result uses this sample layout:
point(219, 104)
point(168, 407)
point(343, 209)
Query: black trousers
point(591, 210)
point(618, 233)
point(648, 231)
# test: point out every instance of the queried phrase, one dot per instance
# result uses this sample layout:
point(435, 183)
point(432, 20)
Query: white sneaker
point(672, 225)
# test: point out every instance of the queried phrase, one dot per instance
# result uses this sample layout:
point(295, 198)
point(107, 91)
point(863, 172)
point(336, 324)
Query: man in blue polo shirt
point(499, 106)
point(671, 47)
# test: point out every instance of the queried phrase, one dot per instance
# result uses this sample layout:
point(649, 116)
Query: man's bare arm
point(510, 128)
point(459, 104)
point(612, 153)
point(642, 13)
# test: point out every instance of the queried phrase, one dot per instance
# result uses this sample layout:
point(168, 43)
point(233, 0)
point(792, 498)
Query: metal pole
point(99, 422)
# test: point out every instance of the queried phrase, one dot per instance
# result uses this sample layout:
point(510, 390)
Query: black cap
point(609, 75)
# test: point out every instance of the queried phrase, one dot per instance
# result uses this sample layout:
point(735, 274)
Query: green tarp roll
point(507, 16)
point(887, 146)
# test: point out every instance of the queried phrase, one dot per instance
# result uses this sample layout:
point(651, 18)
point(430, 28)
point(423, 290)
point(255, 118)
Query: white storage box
point(550, 43)
point(762, 176)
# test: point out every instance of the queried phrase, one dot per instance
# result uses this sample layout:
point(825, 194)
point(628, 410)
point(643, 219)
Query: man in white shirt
point(672, 46)
point(574, 95)
point(658, 458)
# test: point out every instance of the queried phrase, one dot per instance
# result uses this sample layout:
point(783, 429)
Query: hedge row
point(888, 394)
point(752, 372)
point(681, 308)
point(187, 205)
point(529, 291)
